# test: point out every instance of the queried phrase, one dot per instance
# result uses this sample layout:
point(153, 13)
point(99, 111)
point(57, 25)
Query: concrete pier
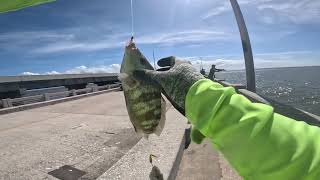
point(89, 134)
point(92, 138)
point(16, 86)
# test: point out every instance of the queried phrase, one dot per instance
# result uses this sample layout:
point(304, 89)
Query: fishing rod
point(246, 45)
point(132, 20)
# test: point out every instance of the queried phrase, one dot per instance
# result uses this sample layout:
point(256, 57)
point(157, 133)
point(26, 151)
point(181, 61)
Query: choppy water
point(298, 87)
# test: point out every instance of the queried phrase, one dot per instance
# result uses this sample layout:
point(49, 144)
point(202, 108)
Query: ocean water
point(296, 86)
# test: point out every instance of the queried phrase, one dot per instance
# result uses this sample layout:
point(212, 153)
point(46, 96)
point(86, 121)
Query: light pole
point(246, 45)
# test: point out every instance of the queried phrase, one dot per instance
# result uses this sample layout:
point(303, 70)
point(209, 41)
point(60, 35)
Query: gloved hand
point(175, 77)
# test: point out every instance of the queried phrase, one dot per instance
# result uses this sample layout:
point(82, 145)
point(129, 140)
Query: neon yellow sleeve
point(13, 5)
point(258, 143)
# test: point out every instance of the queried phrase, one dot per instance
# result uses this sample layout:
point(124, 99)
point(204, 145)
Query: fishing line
point(132, 20)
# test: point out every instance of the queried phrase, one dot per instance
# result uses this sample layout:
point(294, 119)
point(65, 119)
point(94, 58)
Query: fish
point(145, 105)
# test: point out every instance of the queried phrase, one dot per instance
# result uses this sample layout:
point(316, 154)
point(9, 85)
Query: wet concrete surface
point(89, 134)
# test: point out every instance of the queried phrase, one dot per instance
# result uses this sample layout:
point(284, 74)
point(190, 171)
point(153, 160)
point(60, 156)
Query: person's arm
point(219, 70)
point(258, 143)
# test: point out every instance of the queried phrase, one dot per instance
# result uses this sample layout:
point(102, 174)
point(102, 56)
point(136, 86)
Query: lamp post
point(246, 45)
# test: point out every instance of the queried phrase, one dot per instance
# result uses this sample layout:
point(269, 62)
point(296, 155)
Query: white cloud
point(27, 36)
point(216, 11)
point(46, 73)
point(58, 47)
point(191, 36)
point(26, 40)
point(113, 68)
point(52, 73)
point(272, 11)
point(53, 42)
point(29, 74)
point(45, 42)
point(261, 60)
point(238, 64)
point(244, 2)
point(78, 45)
point(295, 11)
point(229, 64)
point(284, 53)
point(299, 12)
point(161, 39)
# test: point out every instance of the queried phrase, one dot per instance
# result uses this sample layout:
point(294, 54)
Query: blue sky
point(84, 36)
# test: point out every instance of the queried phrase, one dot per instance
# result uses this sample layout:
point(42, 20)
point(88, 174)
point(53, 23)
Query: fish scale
point(145, 105)
point(145, 108)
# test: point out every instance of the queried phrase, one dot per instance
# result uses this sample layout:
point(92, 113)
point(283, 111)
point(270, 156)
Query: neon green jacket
point(13, 5)
point(258, 143)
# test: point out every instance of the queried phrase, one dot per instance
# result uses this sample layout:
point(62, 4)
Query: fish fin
point(163, 117)
point(140, 133)
point(127, 81)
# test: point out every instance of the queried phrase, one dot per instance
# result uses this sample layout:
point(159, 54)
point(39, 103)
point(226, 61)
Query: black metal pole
point(246, 45)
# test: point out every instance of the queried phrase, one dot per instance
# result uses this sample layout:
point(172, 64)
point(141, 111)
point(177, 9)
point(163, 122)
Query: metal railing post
point(46, 96)
point(6, 103)
point(73, 92)
point(246, 45)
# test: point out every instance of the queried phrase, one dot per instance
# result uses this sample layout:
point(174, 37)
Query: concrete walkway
point(93, 137)
point(204, 162)
point(89, 134)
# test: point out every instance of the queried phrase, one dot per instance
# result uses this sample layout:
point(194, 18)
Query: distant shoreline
point(272, 68)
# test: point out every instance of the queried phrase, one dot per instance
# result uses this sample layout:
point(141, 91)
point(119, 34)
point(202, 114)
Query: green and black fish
point(145, 105)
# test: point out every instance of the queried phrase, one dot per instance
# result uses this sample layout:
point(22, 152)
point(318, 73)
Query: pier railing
point(280, 108)
point(7, 103)
point(284, 109)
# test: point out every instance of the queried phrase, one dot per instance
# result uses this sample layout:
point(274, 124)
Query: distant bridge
point(15, 86)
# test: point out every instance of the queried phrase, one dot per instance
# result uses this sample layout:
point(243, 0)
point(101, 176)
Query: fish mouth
point(131, 45)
